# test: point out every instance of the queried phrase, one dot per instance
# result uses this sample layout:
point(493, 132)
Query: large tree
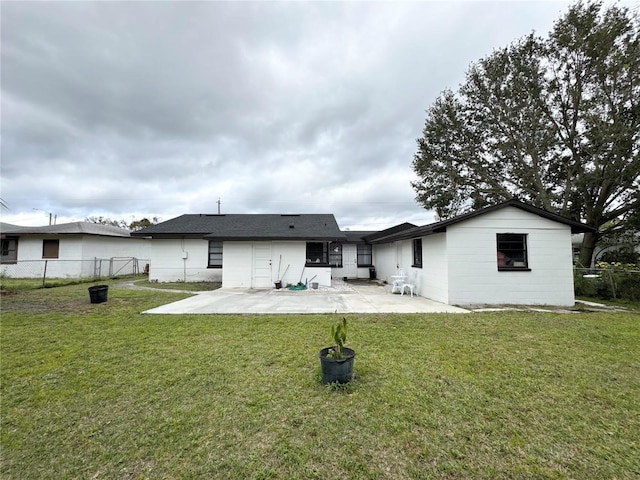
point(553, 121)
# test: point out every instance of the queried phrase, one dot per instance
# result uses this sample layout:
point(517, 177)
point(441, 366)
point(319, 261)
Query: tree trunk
point(589, 241)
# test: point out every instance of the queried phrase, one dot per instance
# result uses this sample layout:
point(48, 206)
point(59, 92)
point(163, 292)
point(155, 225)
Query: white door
point(262, 265)
point(350, 261)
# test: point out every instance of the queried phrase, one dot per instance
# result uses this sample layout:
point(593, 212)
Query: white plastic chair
point(398, 282)
point(410, 284)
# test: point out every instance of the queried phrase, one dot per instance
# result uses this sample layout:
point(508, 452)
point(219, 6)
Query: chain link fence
point(85, 269)
point(614, 282)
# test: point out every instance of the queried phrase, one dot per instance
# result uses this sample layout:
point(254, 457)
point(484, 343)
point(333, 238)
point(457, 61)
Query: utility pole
point(52, 219)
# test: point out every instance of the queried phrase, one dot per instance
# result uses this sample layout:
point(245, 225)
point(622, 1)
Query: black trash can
point(98, 293)
point(372, 273)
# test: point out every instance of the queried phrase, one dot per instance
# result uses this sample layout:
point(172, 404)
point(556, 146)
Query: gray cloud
point(161, 108)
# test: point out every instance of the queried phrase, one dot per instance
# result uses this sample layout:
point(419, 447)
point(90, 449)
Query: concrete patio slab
point(357, 297)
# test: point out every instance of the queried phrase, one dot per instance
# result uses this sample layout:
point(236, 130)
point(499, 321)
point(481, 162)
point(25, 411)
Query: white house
point(69, 250)
point(509, 253)
point(244, 250)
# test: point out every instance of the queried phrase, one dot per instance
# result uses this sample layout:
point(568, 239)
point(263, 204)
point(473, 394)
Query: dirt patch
point(38, 302)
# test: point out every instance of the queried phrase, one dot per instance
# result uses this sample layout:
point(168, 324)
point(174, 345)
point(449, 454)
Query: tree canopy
point(552, 121)
point(134, 225)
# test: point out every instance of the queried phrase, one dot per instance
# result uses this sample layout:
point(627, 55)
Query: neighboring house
point(509, 253)
point(599, 251)
point(244, 250)
point(68, 250)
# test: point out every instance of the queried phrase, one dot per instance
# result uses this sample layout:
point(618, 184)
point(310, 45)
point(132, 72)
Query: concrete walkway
point(341, 297)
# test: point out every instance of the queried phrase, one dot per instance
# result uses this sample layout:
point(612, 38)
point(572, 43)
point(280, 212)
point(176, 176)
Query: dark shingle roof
point(321, 227)
point(389, 231)
point(576, 227)
point(357, 236)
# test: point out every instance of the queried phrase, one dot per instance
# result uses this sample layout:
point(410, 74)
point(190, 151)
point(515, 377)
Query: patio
point(341, 297)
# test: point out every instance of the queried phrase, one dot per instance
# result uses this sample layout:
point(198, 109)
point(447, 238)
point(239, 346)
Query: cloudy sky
point(155, 109)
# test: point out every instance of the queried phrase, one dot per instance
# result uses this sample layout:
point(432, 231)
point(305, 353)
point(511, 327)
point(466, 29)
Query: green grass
point(101, 391)
point(621, 303)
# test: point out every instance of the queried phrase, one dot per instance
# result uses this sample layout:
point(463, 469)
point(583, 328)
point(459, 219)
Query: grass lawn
point(101, 391)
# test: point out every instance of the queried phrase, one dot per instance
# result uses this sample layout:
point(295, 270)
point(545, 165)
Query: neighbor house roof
point(321, 227)
point(77, 228)
point(438, 227)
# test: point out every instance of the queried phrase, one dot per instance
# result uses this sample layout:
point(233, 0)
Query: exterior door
point(350, 260)
point(262, 265)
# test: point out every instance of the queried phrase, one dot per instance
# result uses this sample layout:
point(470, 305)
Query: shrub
point(610, 280)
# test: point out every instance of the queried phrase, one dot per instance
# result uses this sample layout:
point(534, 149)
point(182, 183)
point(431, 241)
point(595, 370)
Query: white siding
point(236, 264)
point(168, 264)
point(174, 260)
point(107, 247)
point(433, 280)
point(473, 274)
point(385, 260)
point(293, 256)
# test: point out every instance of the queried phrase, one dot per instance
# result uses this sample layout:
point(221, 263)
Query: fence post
point(44, 274)
point(613, 286)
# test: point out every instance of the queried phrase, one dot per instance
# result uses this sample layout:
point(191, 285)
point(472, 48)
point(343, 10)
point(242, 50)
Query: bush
point(626, 254)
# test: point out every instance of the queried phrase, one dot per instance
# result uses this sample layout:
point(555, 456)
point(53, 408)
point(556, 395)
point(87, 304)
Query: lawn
point(101, 391)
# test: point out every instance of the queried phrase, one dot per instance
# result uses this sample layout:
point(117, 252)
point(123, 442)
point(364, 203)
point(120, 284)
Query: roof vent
point(291, 225)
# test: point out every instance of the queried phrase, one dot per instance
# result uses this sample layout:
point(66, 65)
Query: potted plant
point(337, 361)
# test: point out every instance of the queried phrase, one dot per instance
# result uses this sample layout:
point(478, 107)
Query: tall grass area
point(102, 391)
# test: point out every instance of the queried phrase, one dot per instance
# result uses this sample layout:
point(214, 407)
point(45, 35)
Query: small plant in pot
point(337, 361)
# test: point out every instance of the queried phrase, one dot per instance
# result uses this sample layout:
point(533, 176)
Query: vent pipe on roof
point(291, 225)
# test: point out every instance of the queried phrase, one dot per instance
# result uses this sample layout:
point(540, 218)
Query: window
point(512, 251)
point(417, 253)
point(9, 250)
point(335, 254)
point(215, 254)
point(50, 248)
point(365, 258)
point(317, 253)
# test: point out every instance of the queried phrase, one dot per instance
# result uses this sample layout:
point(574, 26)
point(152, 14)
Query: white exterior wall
point(473, 274)
point(168, 262)
point(388, 258)
point(385, 260)
point(433, 278)
point(236, 264)
point(290, 257)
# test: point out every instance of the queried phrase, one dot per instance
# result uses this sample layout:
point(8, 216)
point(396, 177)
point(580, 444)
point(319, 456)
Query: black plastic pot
point(278, 285)
point(337, 370)
point(98, 293)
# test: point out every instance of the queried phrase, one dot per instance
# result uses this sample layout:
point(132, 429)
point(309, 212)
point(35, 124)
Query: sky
point(128, 110)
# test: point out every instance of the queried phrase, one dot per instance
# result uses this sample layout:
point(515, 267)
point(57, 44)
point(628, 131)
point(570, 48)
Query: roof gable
point(439, 227)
